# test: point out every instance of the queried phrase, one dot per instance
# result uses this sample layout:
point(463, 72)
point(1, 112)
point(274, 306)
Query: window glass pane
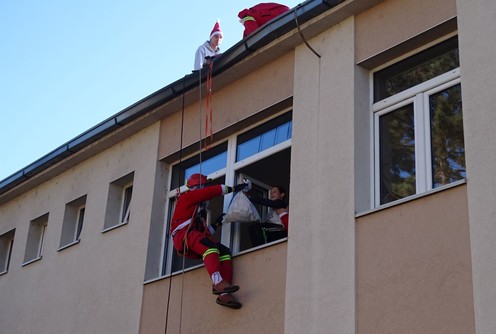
point(248, 148)
point(397, 154)
point(210, 161)
point(208, 166)
point(6, 245)
point(416, 69)
point(268, 140)
point(79, 227)
point(283, 133)
point(263, 137)
point(447, 145)
point(128, 193)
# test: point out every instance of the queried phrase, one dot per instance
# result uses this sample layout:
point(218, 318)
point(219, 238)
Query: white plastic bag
point(241, 210)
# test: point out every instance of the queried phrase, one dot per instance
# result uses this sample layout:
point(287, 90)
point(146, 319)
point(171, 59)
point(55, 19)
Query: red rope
point(208, 103)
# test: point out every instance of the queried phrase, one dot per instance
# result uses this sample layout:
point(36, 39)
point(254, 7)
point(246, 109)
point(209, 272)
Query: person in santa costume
point(192, 237)
point(256, 16)
point(209, 49)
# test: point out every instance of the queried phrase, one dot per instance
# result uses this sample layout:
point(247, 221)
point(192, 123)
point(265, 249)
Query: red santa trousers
point(216, 256)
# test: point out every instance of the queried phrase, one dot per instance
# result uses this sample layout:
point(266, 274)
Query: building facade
point(376, 116)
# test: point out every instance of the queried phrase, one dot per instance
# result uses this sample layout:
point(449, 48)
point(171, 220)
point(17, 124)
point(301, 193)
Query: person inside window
point(192, 237)
point(276, 225)
point(209, 49)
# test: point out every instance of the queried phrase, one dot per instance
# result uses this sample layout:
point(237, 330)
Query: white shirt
point(203, 51)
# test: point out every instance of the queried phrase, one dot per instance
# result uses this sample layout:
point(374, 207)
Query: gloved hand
point(240, 186)
point(218, 222)
point(248, 185)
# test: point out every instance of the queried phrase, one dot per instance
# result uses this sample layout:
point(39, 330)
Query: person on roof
point(256, 16)
point(192, 237)
point(209, 49)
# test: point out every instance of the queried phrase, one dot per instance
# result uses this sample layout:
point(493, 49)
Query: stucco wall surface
point(414, 267)
point(261, 276)
point(94, 286)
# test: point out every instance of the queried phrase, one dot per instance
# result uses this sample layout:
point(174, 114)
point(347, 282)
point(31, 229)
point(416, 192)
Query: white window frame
point(72, 223)
point(419, 97)
point(115, 215)
point(39, 226)
point(229, 173)
point(126, 201)
point(7, 244)
point(79, 222)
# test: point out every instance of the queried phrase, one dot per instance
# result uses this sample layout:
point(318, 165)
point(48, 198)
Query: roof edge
point(270, 31)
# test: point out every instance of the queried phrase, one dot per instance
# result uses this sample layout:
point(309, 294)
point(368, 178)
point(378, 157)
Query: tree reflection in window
point(397, 154)
point(447, 144)
point(416, 69)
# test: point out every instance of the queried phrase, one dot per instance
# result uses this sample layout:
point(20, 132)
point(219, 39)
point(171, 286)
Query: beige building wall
point(94, 286)
point(478, 69)
point(392, 22)
point(414, 267)
point(260, 273)
point(261, 276)
point(232, 104)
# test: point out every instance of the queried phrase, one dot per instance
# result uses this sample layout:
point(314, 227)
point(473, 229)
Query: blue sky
point(67, 65)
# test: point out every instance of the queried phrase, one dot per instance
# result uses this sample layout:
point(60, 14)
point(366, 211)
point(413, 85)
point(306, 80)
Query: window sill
point(105, 230)
point(68, 245)
point(275, 242)
point(31, 261)
point(202, 265)
point(411, 198)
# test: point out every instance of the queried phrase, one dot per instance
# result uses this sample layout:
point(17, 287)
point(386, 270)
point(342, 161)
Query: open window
point(73, 222)
point(36, 238)
point(6, 245)
point(119, 202)
point(273, 170)
point(261, 153)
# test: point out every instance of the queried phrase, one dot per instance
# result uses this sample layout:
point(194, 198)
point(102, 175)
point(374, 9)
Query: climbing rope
point(177, 196)
point(209, 109)
point(208, 130)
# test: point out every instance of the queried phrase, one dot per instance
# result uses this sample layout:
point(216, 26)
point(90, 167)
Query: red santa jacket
point(187, 204)
point(284, 219)
point(256, 16)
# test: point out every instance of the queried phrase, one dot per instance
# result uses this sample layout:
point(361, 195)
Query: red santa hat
point(216, 30)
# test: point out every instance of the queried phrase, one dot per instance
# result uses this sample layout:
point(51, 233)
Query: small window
point(36, 237)
point(6, 245)
point(73, 222)
point(119, 202)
